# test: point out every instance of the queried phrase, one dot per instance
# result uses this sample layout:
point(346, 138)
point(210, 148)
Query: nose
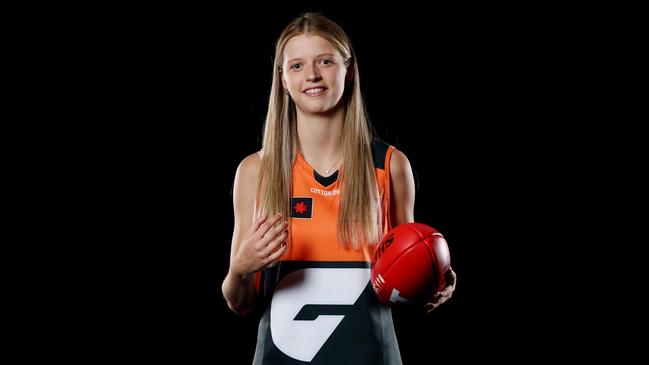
point(314, 74)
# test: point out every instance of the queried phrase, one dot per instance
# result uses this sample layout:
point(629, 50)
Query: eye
point(326, 62)
point(296, 66)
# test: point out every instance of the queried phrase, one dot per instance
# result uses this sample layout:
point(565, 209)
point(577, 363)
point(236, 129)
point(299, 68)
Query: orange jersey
point(319, 305)
point(314, 208)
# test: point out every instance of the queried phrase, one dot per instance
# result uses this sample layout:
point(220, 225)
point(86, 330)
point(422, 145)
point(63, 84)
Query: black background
point(170, 100)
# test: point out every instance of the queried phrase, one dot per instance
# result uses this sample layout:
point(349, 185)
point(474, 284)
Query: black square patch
point(301, 207)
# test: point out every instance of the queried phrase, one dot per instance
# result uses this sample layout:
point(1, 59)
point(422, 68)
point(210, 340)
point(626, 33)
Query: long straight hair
point(359, 219)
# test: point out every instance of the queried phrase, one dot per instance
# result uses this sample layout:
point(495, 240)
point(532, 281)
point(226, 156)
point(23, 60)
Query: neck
point(321, 134)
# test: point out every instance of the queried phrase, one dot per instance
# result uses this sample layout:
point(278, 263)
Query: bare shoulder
point(249, 167)
point(246, 182)
point(247, 176)
point(402, 186)
point(399, 164)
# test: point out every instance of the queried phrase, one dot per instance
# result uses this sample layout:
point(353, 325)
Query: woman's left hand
point(446, 293)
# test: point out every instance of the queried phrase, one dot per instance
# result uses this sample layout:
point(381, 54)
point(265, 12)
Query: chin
point(316, 109)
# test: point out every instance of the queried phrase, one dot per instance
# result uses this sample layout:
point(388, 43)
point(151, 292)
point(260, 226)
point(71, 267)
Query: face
point(314, 73)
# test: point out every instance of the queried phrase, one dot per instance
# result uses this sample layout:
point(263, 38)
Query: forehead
point(307, 46)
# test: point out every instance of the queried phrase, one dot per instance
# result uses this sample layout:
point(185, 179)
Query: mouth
point(315, 91)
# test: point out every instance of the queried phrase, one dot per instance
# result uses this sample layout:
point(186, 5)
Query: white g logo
point(302, 339)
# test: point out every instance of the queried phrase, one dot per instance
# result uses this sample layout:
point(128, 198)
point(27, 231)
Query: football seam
point(428, 248)
point(431, 255)
point(387, 269)
point(421, 238)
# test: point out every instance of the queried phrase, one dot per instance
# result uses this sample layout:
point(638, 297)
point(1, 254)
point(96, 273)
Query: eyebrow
point(318, 56)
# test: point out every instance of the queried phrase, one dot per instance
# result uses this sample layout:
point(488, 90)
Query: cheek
point(341, 77)
point(291, 82)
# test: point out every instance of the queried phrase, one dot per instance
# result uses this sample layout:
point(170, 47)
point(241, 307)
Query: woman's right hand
point(263, 244)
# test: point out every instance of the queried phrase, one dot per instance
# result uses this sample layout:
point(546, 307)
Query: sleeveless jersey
point(319, 305)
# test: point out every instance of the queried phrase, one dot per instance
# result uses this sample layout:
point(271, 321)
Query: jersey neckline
point(312, 173)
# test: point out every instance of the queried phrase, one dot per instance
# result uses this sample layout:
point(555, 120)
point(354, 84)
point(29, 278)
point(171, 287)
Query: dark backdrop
point(172, 100)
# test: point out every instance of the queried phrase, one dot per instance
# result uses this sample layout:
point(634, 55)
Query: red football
point(410, 264)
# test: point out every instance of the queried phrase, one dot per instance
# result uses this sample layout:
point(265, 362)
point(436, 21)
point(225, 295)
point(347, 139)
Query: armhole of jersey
point(386, 189)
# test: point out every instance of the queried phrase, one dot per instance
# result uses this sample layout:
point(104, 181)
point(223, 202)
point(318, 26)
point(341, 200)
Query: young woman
point(311, 205)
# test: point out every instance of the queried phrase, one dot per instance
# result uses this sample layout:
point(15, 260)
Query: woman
point(311, 205)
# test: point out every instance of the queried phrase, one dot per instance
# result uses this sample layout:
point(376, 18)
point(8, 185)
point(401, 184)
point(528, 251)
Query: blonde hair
point(359, 217)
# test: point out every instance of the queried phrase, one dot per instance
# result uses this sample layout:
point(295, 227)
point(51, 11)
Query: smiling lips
point(315, 91)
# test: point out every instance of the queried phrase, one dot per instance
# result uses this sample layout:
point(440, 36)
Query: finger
point(436, 303)
point(275, 231)
point(275, 242)
point(277, 254)
point(271, 235)
point(269, 224)
point(258, 223)
point(276, 220)
point(446, 293)
point(440, 301)
point(451, 277)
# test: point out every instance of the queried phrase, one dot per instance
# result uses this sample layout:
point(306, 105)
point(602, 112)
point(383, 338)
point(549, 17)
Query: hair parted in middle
point(360, 208)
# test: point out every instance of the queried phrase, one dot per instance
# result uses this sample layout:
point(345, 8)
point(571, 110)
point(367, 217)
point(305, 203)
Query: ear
point(349, 76)
point(281, 76)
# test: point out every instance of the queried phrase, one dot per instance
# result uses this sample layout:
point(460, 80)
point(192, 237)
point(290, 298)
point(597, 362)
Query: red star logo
point(300, 207)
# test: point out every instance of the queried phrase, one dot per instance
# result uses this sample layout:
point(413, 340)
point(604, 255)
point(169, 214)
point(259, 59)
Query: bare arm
point(402, 206)
point(402, 190)
point(255, 244)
